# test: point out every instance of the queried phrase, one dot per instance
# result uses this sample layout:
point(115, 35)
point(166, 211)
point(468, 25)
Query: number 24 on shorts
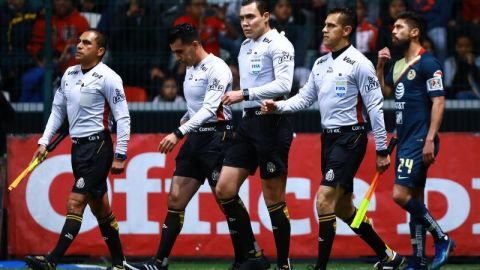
point(407, 162)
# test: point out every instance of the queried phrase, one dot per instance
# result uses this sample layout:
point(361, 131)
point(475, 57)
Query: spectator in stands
point(68, 24)
point(385, 24)
point(16, 23)
point(138, 47)
point(209, 27)
point(428, 45)
point(283, 19)
point(92, 11)
point(366, 34)
point(6, 118)
point(168, 92)
point(233, 65)
point(437, 14)
point(462, 77)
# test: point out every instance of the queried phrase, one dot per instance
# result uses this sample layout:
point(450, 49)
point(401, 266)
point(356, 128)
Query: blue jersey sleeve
point(433, 74)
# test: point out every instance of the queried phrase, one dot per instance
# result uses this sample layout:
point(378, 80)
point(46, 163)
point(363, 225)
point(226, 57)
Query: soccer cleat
point(443, 248)
point(39, 263)
point(152, 264)
point(235, 266)
point(417, 264)
point(283, 267)
point(255, 263)
point(392, 263)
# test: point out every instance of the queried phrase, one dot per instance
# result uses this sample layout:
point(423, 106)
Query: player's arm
point(218, 81)
point(115, 95)
point(369, 88)
point(283, 66)
point(431, 69)
point(383, 57)
point(305, 97)
point(55, 120)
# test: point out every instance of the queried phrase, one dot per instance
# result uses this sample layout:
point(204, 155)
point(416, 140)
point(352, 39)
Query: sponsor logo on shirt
point(119, 97)
point(322, 60)
point(372, 84)
point(266, 40)
point(411, 74)
point(286, 57)
point(330, 70)
point(96, 75)
point(249, 52)
point(203, 67)
point(74, 72)
point(399, 91)
point(348, 60)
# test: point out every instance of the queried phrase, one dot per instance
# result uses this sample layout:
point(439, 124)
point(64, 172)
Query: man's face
point(253, 23)
point(184, 53)
point(396, 7)
point(197, 8)
point(401, 34)
point(283, 11)
point(87, 48)
point(169, 90)
point(334, 31)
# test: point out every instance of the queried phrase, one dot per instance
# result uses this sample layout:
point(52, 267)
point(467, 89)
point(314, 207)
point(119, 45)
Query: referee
point(89, 94)
point(266, 62)
point(208, 126)
point(344, 83)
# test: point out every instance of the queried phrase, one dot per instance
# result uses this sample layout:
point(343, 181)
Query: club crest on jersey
point(330, 175)
point(119, 97)
point(271, 168)
point(80, 183)
point(411, 74)
point(340, 86)
point(399, 91)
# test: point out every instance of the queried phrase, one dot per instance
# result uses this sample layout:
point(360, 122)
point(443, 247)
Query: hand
point(232, 97)
point(383, 162)
point(168, 143)
point(118, 166)
point(428, 152)
point(41, 153)
point(383, 56)
point(268, 106)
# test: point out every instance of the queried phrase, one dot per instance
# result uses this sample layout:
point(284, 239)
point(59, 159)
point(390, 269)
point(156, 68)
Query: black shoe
point(152, 264)
point(39, 263)
point(393, 263)
point(255, 263)
point(235, 266)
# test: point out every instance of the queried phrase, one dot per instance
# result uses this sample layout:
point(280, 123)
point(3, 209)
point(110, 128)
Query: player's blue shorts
point(410, 171)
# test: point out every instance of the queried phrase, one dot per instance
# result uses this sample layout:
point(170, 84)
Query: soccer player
point(209, 128)
point(266, 63)
point(89, 94)
point(344, 83)
point(419, 105)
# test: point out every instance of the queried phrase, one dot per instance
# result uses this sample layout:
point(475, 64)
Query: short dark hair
point(185, 32)
point(261, 5)
point(348, 17)
point(101, 39)
point(413, 20)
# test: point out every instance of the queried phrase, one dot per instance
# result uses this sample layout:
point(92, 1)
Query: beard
point(401, 45)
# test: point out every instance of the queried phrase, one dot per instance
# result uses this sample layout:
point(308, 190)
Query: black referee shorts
point(201, 156)
point(92, 159)
point(342, 154)
point(262, 141)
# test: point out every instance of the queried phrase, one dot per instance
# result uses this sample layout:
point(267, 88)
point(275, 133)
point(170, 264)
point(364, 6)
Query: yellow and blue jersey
point(415, 83)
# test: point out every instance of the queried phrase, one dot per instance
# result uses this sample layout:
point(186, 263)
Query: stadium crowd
point(139, 52)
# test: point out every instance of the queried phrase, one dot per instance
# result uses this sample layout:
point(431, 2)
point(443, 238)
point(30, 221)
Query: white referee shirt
point(266, 67)
point(204, 87)
point(342, 87)
point(89, 100)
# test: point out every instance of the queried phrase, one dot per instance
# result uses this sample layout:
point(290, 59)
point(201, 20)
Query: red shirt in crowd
point(212, 26)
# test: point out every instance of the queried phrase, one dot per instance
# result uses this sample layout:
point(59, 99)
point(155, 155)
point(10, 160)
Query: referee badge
point(80, 183)
point(330, 175)
point(271, 168)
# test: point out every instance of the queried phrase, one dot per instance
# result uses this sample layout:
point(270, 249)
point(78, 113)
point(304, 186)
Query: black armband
point(178, 133)
point(383, 152)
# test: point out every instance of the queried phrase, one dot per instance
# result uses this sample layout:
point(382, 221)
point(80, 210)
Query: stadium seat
point(135, 94)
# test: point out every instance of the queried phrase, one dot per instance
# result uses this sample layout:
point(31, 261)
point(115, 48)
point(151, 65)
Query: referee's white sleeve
point(306, 96)
point(372, 97)
point(58, 114)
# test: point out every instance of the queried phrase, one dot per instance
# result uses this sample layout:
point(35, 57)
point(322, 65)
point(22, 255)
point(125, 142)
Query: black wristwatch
point(246, 94)
point(121, 157)
point(382, 153)
point(178, 133)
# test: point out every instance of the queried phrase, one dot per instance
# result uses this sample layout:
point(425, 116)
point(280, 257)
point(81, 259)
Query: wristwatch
point(178, 133)
point(121, 157)
point(246, 94)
